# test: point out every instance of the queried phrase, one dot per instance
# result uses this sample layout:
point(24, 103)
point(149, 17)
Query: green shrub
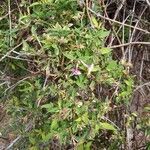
point(54, 74)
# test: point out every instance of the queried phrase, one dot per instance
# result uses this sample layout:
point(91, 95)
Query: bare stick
point(148, 2)
point(132, 43)
point(127, 25)
point(8, 53)
point(29, 126)
point(10, 23)
point(1, 18)
point(141, 86)
point(103, 117)
point(13, 142)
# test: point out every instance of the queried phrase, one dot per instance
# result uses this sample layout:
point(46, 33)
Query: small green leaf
point(147, 108)
point(94, 21)
point(88, 146)
point(96, 68)
point(107, 126)
point(33, 30)
point(85, 118)
point(128, 82)
point(56, 49)
point(102, 34)
point(80, 146)
point(47, 106)
point(112, 66)
point(25, 46)
point(69, 55)
point(50, 108)
point(35, 4)
point(92, 85)
point(54, 124)
point(46, 137)
point(47, 1)
point(79, 119)
point(32, 140)
point(105, 50)
point(57, 26)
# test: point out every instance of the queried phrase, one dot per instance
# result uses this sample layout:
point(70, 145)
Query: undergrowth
point(53, 59)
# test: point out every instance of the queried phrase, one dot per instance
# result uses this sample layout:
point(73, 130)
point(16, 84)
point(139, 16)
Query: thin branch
point(148, 2)
point(140, 86)
point(132, 43)
point(10, 23)
point(13, 142)
point(29, 126)
point(104, 118)
point(127, 25)
point(2, 17)
point(88, 14)
point(9, 52)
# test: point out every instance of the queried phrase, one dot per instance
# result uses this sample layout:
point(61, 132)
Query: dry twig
point(127, 25)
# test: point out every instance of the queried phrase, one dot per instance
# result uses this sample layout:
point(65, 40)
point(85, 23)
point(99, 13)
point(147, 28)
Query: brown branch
point(127, 25)
point(132, 43)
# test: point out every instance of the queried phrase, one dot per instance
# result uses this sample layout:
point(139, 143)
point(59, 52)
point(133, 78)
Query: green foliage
point(61, 61)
